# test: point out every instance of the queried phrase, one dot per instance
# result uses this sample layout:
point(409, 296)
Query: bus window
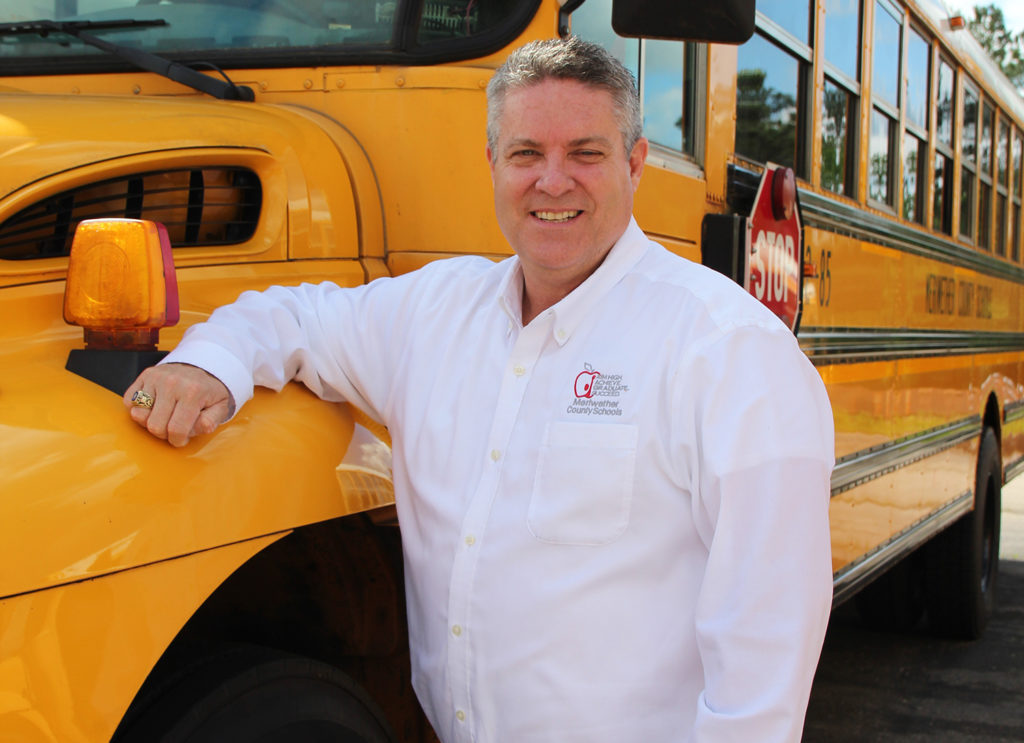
point(915, 155)
point(441, 21)
point(968, 160)
point(1002, 184)
point(942, 195)
point(842, 37)
point(985, 178)
point(915, 137)
point(593, 22)
point(840, 95)
point(792, 17)
point(837, 107)
point(885, 86)
point(766, 103)
point(668, 73)
point(1015, 225)
point(881, 165)
point(663, 93)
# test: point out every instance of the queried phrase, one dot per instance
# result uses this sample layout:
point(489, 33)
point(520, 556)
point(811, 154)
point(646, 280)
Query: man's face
point(563, 182)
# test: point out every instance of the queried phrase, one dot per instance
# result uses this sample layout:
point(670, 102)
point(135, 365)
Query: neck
point(539, 296)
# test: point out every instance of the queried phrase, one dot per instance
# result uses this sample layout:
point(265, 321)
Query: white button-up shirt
point(614, 519)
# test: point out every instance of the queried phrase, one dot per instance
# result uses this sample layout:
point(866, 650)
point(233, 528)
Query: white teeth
point(563, 216)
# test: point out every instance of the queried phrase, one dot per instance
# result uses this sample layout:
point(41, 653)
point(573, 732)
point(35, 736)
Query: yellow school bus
point(253, 580)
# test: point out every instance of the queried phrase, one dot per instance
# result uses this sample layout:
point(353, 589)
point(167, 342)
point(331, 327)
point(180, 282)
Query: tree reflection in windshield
point(767, 84)
point(765, 120)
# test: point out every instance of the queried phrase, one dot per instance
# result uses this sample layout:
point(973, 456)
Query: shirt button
point(562, 334)
point(460, 715)
point(495, 455)
point(456, 630)
point(519, 370)
point(470, 540)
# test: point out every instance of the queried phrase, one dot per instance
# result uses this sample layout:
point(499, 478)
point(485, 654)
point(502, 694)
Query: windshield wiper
point(179, 73)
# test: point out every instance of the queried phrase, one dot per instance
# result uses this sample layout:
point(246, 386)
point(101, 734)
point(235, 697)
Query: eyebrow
point(526, 142)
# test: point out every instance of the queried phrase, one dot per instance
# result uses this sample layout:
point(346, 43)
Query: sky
point(1013, 12)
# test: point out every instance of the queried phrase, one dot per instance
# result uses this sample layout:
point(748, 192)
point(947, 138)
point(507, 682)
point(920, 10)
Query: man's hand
point(187, 402)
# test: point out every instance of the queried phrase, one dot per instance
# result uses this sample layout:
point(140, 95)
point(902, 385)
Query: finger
point(134, 387)
point(139, 414)
point(210, 418)
point(159, 415)
point(181, 424)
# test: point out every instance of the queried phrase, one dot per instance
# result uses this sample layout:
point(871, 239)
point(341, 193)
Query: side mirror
point(721, 21)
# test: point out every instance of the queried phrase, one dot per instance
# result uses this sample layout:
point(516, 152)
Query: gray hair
point(568, 59)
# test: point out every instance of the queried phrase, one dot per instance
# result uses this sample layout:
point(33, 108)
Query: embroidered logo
point(591, 390)
point(584, 385)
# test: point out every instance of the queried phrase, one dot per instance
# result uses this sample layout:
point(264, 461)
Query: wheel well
point(992, 419)
point(331, 591)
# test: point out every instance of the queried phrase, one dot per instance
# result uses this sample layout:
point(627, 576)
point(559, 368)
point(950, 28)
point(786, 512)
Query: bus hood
point(305, 164)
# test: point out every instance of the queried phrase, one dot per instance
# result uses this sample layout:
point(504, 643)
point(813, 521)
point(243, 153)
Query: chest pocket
point(583, 489)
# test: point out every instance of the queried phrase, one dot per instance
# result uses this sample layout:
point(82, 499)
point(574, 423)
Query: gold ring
point(143, 399)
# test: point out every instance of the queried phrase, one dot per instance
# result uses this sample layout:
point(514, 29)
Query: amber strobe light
point(121, 286)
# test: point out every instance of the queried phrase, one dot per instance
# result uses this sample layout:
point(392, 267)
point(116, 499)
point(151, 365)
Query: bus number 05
point(825, 278)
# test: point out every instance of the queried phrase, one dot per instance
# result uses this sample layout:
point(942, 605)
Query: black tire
point(253, 695)
point(894, 602)
point(963, 561)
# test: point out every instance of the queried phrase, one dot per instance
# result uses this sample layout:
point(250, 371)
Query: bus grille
point(198, 206)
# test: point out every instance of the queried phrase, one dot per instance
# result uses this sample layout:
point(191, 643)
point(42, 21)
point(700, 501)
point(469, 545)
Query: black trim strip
point(846, 345)
point(860, 467)
point(1013, 469)
point(1013, 411)
point(849, 219)
point(853, 577)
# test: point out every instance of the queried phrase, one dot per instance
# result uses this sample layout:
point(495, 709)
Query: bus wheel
point(963, 561)
point(247, 695)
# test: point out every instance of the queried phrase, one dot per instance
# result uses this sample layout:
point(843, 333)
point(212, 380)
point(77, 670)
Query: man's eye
point(589, 154)
point(525, 153)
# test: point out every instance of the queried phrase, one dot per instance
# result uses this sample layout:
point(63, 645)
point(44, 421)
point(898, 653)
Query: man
point(611, 465)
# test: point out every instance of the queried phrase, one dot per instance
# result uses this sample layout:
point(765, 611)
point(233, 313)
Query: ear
point(636, 161)
point(490, 160)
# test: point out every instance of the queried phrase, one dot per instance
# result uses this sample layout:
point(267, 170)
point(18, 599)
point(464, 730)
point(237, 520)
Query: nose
point(554, 180)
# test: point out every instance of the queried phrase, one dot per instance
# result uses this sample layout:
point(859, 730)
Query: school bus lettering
point(945, 295)
point(940, 294)
point(965, 298)
point(984, 304)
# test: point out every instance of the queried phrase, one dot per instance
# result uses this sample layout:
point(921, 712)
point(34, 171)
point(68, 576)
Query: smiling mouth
point(561, 216)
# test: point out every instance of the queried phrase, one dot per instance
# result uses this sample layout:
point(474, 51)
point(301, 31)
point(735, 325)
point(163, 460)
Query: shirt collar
point(569, 313)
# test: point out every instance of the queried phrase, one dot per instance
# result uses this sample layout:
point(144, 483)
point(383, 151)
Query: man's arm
point(320, 335)
point(765, 426)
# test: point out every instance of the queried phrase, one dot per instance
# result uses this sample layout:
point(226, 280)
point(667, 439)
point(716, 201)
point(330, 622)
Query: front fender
point(86, 492)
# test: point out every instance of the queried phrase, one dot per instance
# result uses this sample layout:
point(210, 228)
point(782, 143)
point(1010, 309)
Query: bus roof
point(972, 55)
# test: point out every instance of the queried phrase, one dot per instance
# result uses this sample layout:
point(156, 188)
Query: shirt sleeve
point(761, 480)
point(339, 342)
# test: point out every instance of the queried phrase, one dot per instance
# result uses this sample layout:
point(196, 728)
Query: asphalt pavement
point(874, 687)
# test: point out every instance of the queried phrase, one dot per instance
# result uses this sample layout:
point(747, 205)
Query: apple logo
point(584, 385)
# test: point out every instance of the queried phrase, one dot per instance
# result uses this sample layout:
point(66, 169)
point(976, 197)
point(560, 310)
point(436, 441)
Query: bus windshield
point(254, 32)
